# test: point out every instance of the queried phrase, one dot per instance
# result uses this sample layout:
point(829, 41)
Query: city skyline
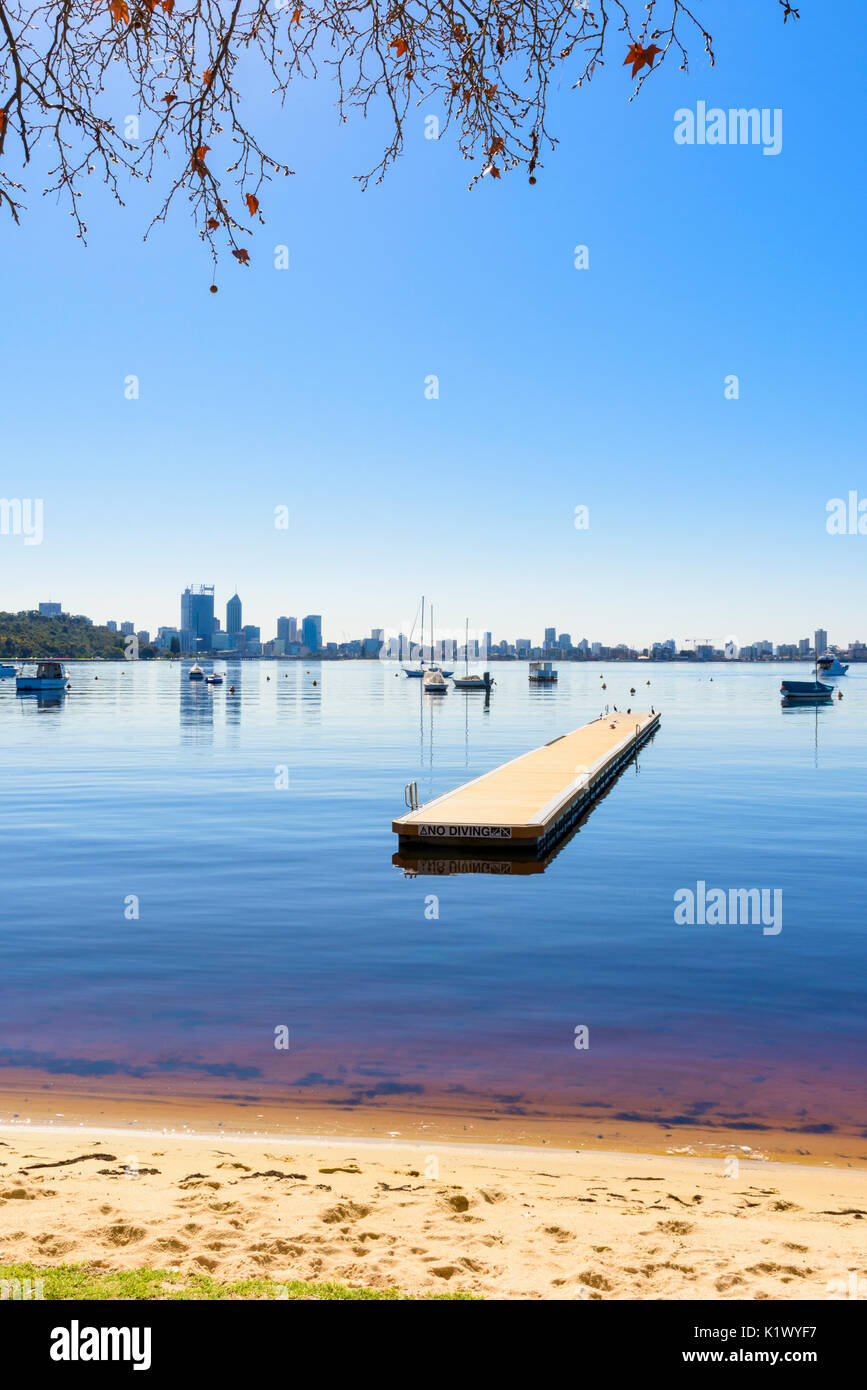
point(307, 634)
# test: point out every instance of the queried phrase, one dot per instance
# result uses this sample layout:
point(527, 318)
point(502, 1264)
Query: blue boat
point(42, 675)
point(806, 690)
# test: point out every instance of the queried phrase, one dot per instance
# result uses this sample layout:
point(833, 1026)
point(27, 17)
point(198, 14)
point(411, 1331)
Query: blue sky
point(558, 387)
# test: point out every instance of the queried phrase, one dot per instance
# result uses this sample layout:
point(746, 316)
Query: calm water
point(262, 905)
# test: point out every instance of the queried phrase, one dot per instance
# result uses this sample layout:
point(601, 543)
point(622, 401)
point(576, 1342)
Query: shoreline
point(49, 1109)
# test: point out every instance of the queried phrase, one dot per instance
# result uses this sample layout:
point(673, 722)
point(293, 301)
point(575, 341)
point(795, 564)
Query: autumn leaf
point(170, 97)
point(213, 224)
point(119, 11)
point(2, 121)
point(252, 203)
point(495, 173)
point(206, 77)
point(399, 45)
point(168, 6)
point(639, 56)
point(242, 256)
point(198, 159)
point(498, 145)
point(296, 17)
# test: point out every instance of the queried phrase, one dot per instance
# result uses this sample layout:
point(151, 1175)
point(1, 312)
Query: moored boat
point(42, 675)
point(214, 679)
point(466, 681)
point(806, 690)
point(542, 673)
point(434, 682)
point(196, 673)
point(7, 670)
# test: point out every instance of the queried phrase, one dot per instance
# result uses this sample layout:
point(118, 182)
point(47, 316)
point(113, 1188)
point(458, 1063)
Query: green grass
point(62, 1282)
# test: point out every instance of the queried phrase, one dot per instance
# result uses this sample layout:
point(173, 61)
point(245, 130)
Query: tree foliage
point(29, 636)
point(485, 66)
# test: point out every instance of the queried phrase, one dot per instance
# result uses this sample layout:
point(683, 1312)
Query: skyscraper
point(820, 641)
point(233, 614)
point(287, 629)
point(197, 617)
point(311, 632)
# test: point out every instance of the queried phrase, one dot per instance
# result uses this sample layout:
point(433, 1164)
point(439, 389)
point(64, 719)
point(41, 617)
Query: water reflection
point(40, 701)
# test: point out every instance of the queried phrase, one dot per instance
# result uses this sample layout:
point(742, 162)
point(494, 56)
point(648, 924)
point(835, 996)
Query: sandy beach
point(502, 1222)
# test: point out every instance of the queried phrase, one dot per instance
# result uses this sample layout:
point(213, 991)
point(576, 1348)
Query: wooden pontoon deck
point(528, 803)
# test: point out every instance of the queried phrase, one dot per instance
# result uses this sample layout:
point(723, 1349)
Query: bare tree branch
point(485, 66)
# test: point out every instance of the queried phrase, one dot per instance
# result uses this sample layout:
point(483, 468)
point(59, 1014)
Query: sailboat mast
point(467, 647)
point(421, 647)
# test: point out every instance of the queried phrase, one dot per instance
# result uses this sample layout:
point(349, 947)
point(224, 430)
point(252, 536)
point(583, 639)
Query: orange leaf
point(242, 256)
point(170, 97)
point(213, 224)
point(296, 16)
point(495, 173)
point(168, 6)
point(498, 145)
point(206, 76)
point(198, 160)
point(119, 11)
point(639, 56)
point(2, 121)
point(399, 45)
point(252, 203)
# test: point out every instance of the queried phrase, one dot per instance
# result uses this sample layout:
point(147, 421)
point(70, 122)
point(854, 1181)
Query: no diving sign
point(466, 832)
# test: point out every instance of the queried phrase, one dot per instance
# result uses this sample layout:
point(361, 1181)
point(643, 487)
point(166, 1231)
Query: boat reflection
point(40, 701)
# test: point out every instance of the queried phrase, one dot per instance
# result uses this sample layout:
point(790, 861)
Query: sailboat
point(433, 680)
point(466, 681)
point(417, 671)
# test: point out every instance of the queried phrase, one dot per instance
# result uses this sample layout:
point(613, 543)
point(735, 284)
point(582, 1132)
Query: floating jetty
point(525, 806)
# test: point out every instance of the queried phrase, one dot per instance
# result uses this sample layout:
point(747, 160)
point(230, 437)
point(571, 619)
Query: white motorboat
point(196, 673)
point(830, 665)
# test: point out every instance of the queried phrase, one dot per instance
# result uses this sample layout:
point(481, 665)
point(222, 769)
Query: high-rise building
point(144, 637)
point(127, 629)
point(564, 641)
point(550, 637)
point(287, 629)
point(311, 632)
point(804, 646)
point(111, 625)
point(233, 614)
point(820, 641)
point(50, 610)
point(197, 617)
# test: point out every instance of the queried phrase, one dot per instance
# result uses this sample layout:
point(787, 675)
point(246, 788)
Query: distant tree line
point(30, 636)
